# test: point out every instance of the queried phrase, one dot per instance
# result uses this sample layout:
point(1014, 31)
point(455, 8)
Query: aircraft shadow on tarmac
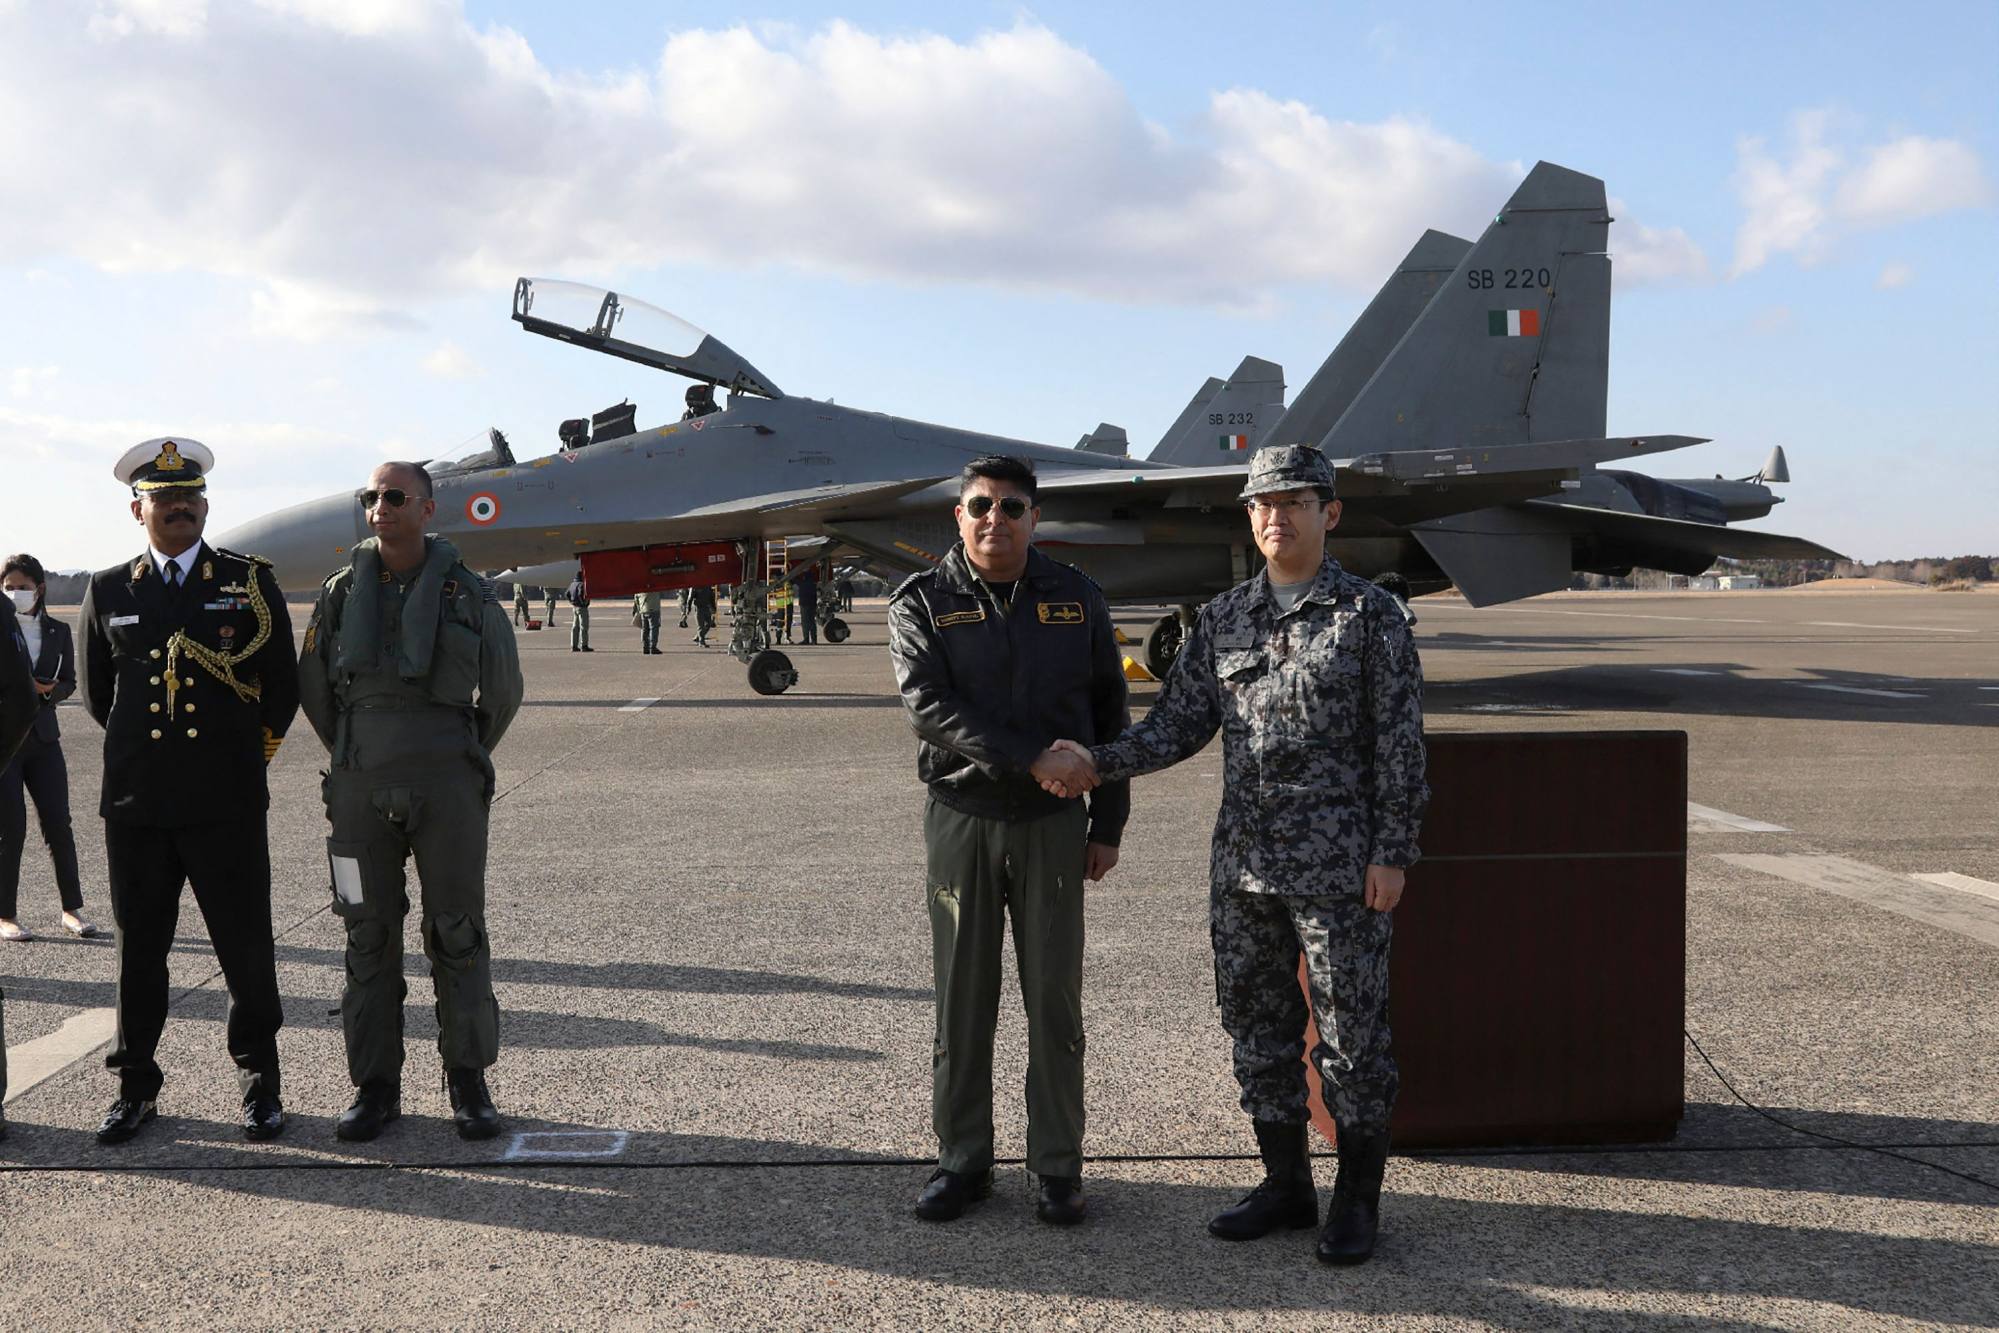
point(1442, 1258)
point(1715, 689)
point(531, 1029)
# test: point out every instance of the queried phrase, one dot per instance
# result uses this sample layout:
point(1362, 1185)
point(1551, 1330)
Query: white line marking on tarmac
point(1855, 689)
point(1950, 879)
point(1919, 900)
point(37, 1061)
point(1640, 615)
point(640, 705)
point(1861, 624)
point(1684, 671)
point(1721, 820)
point(526, 1147)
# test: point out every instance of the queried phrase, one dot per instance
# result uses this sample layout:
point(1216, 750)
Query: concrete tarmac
point(713, 968)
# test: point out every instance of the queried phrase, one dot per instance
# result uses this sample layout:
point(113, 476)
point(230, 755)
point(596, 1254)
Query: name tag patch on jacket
point(116, 621)
point(961, 617)
point(1060, 613)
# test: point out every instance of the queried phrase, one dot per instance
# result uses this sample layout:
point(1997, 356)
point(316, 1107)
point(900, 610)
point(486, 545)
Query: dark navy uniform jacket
point(184, 747)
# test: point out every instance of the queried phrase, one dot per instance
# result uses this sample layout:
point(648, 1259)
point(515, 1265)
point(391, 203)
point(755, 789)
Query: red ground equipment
point(661, 568)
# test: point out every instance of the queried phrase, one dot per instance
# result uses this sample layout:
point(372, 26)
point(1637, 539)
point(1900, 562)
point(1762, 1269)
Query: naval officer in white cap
point(187, 662)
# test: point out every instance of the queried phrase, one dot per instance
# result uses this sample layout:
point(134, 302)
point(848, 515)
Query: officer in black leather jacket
point(998, 652)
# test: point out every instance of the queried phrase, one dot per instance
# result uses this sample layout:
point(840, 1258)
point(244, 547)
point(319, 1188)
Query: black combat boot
point(1286, 1198)
point(376, 1105)
point(472, 1108)
point(1355, 1213)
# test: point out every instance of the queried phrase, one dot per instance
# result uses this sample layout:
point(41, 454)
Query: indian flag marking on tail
point(1513, 323)
point(1235, 443)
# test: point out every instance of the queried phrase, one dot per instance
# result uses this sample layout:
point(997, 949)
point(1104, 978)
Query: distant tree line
point(1929, 571)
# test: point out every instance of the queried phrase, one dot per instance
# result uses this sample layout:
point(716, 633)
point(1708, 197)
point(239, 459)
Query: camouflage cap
point(1287, 467)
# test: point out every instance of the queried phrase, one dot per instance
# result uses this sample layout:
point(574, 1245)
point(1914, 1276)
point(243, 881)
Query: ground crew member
point(186, 660)
point(648, 618)
point(806, 589)
point(20, 704)
point(548, 596)
point(704, 614)
point(998, 651)
point(410, 676)
point(1311, 675)
point(521, 612)
point(686, 604)
point(579, 625)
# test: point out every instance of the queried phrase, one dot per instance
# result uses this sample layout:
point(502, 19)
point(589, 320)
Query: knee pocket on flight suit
point(371, 951)
point(455, 939)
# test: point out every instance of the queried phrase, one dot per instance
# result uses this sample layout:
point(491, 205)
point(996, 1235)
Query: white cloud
point(1800, 205)
point(1912, 177)
point(1772, 320)
point(117, 19)
point(452, 362)
point(1648, 256)
point(396, 153)
point(260, 466)
point(1894, 275)
point(23, 381)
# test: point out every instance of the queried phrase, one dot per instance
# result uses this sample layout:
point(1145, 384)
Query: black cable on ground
point(1834, 1138)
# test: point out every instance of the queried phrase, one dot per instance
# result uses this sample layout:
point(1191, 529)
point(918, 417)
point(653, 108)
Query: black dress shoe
point(948, 1193)
point(1061, 1201)
point(263, 1118)
point(124, 1119)
point(472, 1108)
point(373, 1108)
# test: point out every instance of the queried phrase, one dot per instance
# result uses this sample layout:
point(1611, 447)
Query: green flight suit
point(411, 680)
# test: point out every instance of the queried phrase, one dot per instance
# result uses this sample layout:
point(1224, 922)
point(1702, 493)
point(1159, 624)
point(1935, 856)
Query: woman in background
point(39, 767)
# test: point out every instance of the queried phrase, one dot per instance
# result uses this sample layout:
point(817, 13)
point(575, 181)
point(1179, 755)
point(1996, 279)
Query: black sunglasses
point(981, 505)
point(395, 497)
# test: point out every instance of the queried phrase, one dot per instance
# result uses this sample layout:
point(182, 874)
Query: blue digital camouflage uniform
point(1321, 716)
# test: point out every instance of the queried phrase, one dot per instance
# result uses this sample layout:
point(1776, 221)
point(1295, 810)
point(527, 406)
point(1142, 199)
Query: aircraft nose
point(304, 543)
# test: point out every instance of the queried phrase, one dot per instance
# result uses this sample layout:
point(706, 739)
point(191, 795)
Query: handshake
point(1065, 769)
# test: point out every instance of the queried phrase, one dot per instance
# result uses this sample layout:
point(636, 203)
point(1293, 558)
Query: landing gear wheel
point(836, 630)
point(771, 672)
point(1163, 641)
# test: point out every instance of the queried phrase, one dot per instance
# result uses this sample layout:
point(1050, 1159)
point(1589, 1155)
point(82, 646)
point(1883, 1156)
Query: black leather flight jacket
point(988, 688)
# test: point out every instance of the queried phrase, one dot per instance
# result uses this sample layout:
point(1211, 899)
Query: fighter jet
point(1465, 407)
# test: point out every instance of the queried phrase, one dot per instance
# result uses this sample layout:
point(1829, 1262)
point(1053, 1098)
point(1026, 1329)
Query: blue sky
point(289, 227)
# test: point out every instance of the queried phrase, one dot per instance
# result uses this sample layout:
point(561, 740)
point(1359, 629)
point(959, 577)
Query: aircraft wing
point(1379, 474)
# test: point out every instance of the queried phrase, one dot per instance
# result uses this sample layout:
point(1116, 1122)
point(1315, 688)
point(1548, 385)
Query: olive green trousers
point(981, 872)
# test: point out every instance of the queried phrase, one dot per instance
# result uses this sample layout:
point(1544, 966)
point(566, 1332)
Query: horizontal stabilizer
point(1644, 532)
point(1106, 439)
point(1498, 555)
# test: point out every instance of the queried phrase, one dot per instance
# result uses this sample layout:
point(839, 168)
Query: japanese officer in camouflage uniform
point(410, 676)
point(1310, 674)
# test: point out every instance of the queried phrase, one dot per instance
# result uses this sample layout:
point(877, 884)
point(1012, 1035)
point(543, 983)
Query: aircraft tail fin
point(1230, 422)
point(1333, 387)
point(1106, 439)
point(1515, 347)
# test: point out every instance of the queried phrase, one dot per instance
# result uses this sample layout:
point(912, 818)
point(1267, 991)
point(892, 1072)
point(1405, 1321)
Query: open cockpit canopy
point(621, 326)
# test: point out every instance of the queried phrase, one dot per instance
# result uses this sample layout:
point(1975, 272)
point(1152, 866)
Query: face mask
point(22, 598)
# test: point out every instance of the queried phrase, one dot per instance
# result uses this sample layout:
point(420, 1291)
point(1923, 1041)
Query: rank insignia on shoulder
point(451, 587)
point(384, 577)
point(1060, 613)
point(961, 617)
point(207, 569)
point(311, 634)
